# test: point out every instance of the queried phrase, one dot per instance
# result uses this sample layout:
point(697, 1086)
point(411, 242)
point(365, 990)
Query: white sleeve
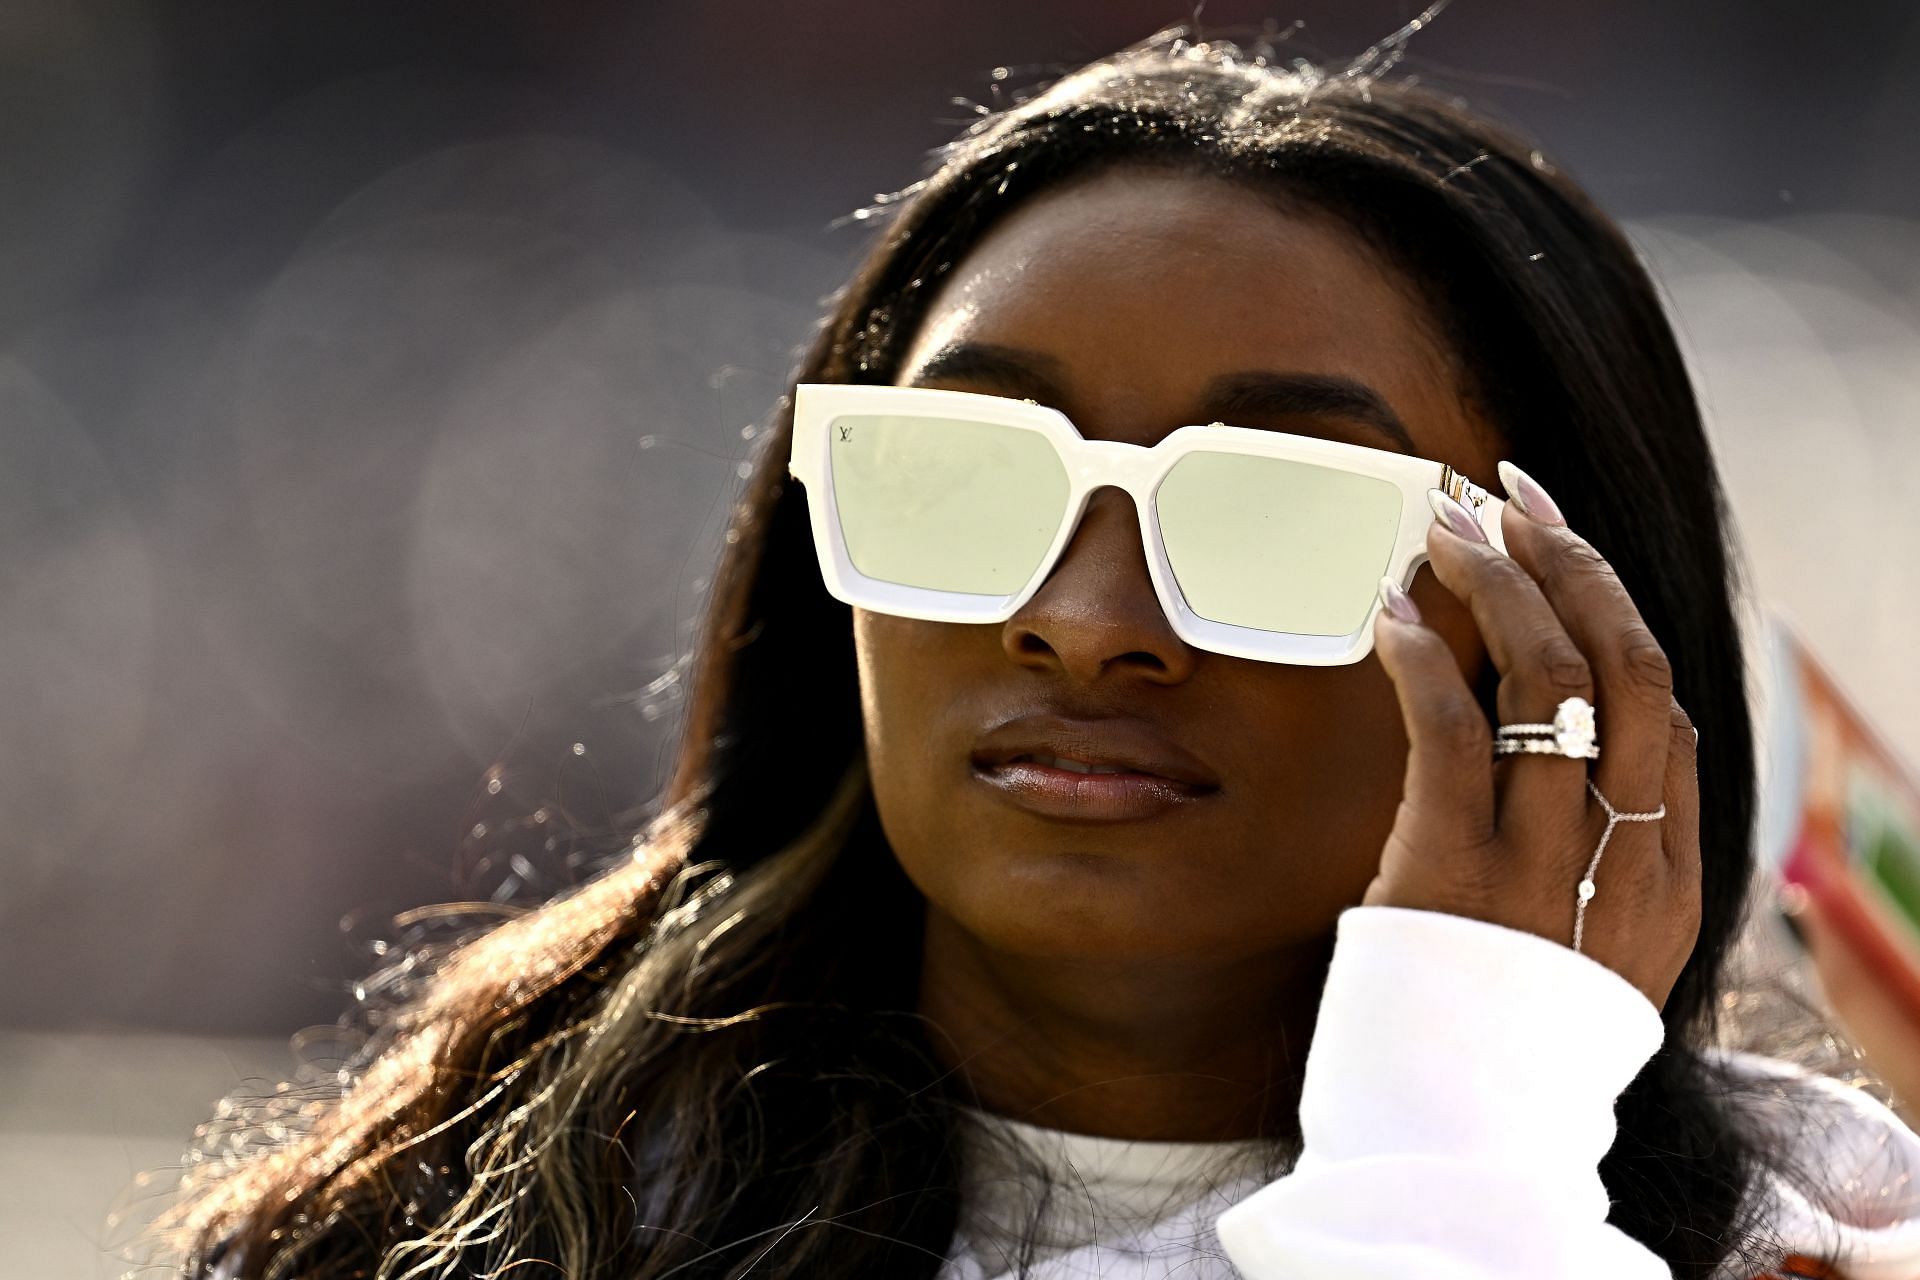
point(1457, 1099)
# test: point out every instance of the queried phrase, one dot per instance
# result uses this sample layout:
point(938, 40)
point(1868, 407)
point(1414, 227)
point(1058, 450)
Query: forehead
point(1142, 286)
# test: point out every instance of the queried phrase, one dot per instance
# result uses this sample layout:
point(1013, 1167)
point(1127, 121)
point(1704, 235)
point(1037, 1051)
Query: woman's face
point(1117, 301)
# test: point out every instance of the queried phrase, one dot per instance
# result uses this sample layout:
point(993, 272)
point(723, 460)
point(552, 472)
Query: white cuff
point(1452, 1054)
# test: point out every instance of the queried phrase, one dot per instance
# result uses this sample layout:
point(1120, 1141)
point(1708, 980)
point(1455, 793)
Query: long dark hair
point(705, 1061)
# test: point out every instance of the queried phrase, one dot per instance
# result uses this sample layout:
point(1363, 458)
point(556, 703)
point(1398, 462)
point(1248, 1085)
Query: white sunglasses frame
point(1139, 470)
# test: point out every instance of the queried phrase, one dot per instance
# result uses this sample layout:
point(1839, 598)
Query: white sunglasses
point(954, 506)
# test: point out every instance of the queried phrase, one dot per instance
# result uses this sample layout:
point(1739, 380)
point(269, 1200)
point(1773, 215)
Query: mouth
point(1072, 790)
point(1075, 766)
point(1089, 770)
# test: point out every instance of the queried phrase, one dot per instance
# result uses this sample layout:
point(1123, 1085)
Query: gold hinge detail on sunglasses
point(1462, 490)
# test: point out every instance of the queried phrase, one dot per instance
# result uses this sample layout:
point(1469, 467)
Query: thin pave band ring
point(1541, 747)
point(1584, 894)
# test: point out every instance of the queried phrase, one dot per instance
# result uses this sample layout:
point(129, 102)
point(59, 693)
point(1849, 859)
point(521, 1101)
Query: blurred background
point(373, 379)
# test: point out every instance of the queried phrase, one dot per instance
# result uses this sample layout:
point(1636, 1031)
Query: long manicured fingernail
point(1455, 516)
point(1397, 602)
point(1533, 501)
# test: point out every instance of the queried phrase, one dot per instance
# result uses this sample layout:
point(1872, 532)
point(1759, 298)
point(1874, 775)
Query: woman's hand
point(1507, 841)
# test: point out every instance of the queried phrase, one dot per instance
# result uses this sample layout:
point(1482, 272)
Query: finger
point(1680, 829)
point(1632, 678)
point(1449, 783)
point(1540, 665)
point(1659, 886)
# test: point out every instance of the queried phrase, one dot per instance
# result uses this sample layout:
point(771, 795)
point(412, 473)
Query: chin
point(1074, 905)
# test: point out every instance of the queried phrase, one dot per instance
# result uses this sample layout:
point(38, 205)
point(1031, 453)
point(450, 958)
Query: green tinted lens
point(943, 503)
point(1276, 544)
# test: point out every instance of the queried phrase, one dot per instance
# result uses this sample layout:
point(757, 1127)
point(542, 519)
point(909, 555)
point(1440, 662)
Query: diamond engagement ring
point(1570, 734)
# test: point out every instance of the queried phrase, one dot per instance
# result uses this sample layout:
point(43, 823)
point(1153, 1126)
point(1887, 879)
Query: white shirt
point(1457, 1099)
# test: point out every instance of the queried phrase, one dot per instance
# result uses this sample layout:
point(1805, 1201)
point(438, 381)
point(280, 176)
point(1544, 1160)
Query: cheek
point(908, 672)
point(905, 669)
point(891, 662)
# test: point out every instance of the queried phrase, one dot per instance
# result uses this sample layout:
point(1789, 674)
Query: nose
point(1098, 606)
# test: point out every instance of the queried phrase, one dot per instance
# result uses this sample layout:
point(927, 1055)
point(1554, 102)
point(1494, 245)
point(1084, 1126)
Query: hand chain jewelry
point(1585, 892)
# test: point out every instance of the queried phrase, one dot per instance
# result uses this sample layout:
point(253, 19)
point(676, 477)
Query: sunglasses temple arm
point(1484, 505)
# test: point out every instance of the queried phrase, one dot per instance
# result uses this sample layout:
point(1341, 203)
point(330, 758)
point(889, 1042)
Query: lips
point(1070, 765)
point(1128, 745)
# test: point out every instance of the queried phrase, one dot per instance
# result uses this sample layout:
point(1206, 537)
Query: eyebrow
point(1035, 375)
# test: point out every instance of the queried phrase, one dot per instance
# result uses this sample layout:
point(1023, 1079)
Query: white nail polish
point(1455, 516)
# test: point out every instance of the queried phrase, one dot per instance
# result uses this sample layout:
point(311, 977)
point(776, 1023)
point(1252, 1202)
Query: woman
point(1301, 995)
